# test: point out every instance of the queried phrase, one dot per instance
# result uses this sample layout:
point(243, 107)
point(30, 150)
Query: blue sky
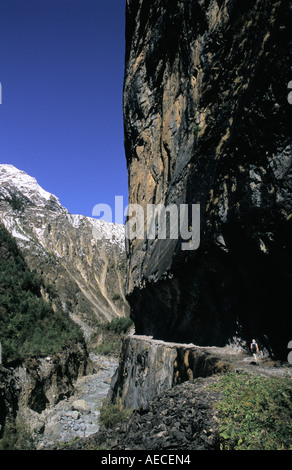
point(61, 119)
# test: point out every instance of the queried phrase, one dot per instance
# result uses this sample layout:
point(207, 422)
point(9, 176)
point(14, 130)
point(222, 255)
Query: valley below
point(77, 416)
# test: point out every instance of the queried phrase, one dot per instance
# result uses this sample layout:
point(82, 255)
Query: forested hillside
point(29, 325)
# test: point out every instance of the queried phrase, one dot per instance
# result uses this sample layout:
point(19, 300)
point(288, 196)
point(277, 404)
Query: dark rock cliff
point(207, 121)
point(38, 382)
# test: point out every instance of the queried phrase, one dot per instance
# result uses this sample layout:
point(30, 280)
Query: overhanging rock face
point(207, 121)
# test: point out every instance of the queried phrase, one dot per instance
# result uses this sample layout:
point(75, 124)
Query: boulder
point(81, 405)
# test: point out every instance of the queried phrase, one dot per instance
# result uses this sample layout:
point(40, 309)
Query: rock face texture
point(207, 121)
point(150, 367)
point(82, 258)
point(38, 383)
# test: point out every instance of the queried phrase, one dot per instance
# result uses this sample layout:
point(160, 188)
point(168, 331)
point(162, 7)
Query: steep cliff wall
point(151, 367)
point(207, 122)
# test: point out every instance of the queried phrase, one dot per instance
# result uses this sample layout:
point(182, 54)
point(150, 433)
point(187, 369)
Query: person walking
point(255, 350)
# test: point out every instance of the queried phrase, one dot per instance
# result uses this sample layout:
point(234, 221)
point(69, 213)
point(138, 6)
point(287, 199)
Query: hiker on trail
point(254, 349)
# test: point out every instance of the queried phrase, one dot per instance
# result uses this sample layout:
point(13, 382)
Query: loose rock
point(81, 405)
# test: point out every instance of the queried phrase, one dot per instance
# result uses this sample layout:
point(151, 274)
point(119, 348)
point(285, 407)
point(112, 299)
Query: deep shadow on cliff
point(219, 296)
point(207, 122)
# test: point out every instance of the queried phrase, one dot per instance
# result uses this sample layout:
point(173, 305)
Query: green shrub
point(255, 412)
point(111, 333)
point(119, 325)
point(113, 414)
point(196, 129)
point(107, 348)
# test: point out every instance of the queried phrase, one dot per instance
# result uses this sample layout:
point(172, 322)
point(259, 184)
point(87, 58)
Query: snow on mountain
point(14, 182)
point(82, 257)
point(101, 230)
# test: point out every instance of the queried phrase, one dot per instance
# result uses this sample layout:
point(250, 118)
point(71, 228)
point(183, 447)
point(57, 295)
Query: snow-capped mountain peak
point(84, 258)
point(15, 182)
point(20, 191)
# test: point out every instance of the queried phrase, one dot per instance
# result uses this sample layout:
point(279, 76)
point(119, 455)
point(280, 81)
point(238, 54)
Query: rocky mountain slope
point(207, 122)
point(81, 258)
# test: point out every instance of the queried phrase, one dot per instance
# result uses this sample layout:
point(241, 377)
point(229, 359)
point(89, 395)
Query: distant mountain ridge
point(82, 258)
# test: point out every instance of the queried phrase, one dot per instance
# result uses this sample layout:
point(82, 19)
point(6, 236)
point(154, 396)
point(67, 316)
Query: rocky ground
point(182, 418)
point(77, 416)
point(239, 358)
